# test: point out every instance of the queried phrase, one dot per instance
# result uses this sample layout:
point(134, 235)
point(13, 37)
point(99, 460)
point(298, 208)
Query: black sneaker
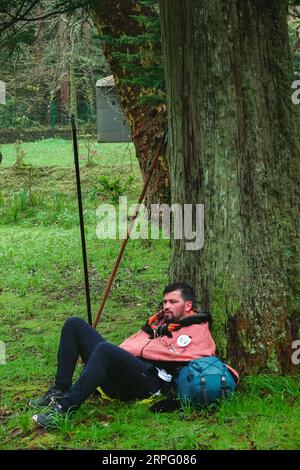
point(51, 418)
point(45, 400)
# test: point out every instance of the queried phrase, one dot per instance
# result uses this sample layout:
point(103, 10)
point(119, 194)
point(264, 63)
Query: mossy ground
point(42, 285)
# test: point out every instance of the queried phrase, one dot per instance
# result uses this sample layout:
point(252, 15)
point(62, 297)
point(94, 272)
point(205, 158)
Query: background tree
point(53, 72)
point(117, 23)
point(234, 146)
point(294, 34)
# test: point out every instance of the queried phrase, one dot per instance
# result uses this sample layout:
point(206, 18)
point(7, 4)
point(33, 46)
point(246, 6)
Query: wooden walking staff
point(83, 246)
point(130, 226)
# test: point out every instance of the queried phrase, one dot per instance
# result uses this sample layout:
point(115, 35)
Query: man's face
point(175, 307)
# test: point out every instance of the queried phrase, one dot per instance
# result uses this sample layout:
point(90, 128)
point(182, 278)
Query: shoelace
point(54, 405)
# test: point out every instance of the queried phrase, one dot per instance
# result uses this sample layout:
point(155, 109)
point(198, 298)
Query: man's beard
point(170, 317)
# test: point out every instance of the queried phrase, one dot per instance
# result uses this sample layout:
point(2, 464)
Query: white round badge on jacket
point(183, 340)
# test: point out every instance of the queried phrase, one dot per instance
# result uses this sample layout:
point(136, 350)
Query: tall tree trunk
point(73, 84)
point(64, 39)
point(89, 86)
point(146, 123)
point(233, 147)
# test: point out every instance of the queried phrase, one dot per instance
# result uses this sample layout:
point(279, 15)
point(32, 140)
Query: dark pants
point(119, 373)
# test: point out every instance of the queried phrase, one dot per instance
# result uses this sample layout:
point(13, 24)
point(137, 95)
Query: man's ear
point(188, 305)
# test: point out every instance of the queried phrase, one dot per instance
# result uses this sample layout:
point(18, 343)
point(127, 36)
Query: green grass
point(41, 284)
point(59, 152)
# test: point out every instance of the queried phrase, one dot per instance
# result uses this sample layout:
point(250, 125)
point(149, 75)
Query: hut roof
point(106, 81)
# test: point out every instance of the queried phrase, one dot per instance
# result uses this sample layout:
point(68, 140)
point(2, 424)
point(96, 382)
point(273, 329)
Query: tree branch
point(20, 17)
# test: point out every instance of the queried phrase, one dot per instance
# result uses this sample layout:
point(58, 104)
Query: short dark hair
point(186, 291)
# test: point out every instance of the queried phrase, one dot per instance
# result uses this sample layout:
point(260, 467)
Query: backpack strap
point(224, 388)
point(203, 390)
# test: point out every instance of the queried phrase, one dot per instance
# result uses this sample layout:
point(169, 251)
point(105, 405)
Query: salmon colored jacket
point(187, 343)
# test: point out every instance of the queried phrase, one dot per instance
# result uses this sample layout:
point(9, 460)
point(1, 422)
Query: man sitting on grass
point(142, 366)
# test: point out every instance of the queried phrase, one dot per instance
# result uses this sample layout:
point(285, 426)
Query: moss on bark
point(234, 147)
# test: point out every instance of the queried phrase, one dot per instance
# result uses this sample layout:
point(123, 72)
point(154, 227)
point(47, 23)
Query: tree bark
point(146, 123)
point(73, 85)
point(64, 39)
point(233, 146)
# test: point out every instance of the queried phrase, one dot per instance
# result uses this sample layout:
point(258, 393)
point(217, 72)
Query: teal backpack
point(204, 381)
